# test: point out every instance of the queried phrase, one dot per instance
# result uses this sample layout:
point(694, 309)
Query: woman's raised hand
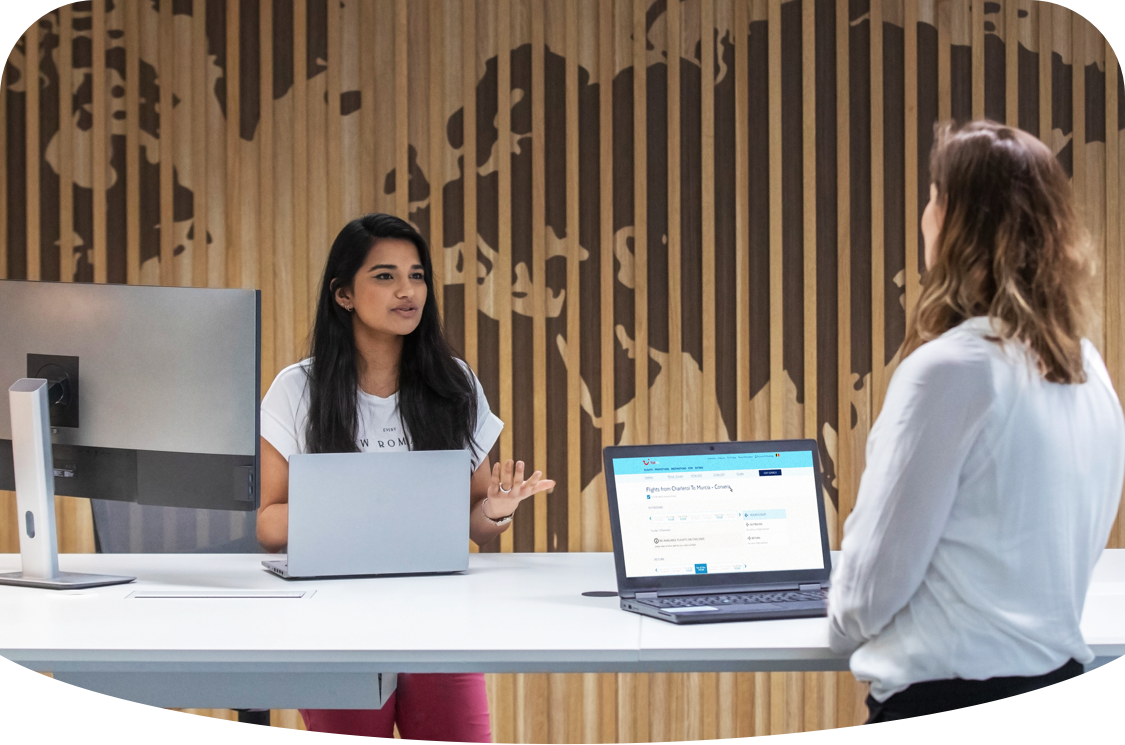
point(508, 488)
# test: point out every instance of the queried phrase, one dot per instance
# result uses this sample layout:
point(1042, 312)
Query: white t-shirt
point(285, 413)
point(986, 501)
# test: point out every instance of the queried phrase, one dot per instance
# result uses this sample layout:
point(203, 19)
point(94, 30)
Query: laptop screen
point(718, 513)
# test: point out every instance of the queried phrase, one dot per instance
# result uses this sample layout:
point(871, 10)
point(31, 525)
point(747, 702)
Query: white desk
point(507, 613)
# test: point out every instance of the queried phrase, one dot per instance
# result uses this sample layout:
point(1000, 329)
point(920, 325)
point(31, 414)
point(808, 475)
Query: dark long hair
point(436, 399)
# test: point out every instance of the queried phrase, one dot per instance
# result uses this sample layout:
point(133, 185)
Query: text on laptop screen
point(718, 513)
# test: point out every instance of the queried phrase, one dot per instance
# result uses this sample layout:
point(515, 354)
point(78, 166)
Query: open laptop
point(364, 514)
point(725, 531)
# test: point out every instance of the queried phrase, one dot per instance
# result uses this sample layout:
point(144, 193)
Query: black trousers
point(933, 696)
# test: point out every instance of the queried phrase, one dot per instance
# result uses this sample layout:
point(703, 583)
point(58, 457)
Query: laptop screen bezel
point(629, 586)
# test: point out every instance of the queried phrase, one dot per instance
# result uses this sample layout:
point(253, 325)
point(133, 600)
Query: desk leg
point(254, 716)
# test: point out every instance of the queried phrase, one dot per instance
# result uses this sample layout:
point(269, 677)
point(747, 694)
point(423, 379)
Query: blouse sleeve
point(934, 409)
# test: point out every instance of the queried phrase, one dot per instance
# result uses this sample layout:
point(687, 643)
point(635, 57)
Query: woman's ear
point(343, 297)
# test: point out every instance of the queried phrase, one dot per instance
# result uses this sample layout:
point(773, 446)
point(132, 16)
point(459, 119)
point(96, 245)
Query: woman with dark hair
point(380, 376)
point(994, 470)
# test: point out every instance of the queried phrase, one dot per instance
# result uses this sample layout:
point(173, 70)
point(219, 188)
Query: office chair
point(128, 528)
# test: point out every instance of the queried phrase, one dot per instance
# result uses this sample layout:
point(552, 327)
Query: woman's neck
point(378, 355)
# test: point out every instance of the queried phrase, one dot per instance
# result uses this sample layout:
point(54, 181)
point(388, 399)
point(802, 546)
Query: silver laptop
point(724, 531)
point(364, 514)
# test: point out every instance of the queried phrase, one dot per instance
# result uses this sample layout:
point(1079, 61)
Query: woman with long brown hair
point(994, 470)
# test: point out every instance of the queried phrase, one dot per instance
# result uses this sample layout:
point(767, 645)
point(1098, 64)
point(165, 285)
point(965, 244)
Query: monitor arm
point(35, 493)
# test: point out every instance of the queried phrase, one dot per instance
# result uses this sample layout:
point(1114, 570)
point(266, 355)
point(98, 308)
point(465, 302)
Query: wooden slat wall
point(643, 268)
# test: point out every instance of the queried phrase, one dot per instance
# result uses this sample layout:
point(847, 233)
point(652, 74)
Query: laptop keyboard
point(689, 601)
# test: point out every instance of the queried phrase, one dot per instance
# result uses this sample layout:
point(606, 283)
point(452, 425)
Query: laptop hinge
point(646, 595)
point(809, 588)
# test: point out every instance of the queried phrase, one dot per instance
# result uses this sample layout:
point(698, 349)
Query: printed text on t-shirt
point(399, 442)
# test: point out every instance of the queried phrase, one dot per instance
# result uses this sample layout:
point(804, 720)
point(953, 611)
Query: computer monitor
point(164, 389)
point(154, 390)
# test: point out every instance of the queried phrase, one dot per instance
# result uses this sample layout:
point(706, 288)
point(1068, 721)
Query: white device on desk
point(725, 531)
point(363, 514)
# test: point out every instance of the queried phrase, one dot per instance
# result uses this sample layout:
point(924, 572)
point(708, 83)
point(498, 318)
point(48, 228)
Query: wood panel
point(167, 143)
point(913, 214)
point(5, 169)
point(1115, 266)
point(333, 135)
point(741, 218)
point(233, 222)
point(437, 154)
point(640, 220)
point(132, 146)
point(605, 164)
point(98, 136)
point(304, 277)
point(808, 180)
point(267, 236)
point(199, 138)
point(776, 283)
point(619, 247)
point(539, 263)
point(573, 290)
point(976, 19)
point(9, 530)
point(402, 113)
point(65, 148)
point(502, 272)
point(180, 51)
point(469, 124)
point(31, 148)
point(878, 221)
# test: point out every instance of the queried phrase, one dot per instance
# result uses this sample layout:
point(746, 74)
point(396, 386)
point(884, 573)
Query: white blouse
point(285, 413)
point(988, 497)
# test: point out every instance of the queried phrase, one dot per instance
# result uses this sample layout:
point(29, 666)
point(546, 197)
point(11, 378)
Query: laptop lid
point(725, 515)
point(378, 513)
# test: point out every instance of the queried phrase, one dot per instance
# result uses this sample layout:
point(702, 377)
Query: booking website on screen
point(718, 513)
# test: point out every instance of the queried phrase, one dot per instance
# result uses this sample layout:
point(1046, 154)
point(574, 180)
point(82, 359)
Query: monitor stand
point(35, 495)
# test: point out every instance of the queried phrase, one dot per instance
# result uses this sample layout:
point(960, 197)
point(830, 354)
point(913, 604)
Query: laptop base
point(762, 612)
point(281, 569)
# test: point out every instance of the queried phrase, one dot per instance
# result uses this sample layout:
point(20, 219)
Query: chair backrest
point(128, 528)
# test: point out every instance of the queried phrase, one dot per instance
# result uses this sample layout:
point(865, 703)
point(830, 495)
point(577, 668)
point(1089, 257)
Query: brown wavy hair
point(1010, 247)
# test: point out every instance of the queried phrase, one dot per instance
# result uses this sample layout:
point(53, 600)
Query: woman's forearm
point(482, 530)
point(273, 526)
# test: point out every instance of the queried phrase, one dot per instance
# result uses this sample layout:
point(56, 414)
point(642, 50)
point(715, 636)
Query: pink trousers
point(425, 706)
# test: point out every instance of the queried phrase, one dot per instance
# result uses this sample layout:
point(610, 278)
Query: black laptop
point(725, 531)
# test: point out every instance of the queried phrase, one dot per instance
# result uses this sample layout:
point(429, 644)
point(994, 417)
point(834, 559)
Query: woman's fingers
point(508, 481)
point(536, 484)
point(529, 485)
point(494, 484)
